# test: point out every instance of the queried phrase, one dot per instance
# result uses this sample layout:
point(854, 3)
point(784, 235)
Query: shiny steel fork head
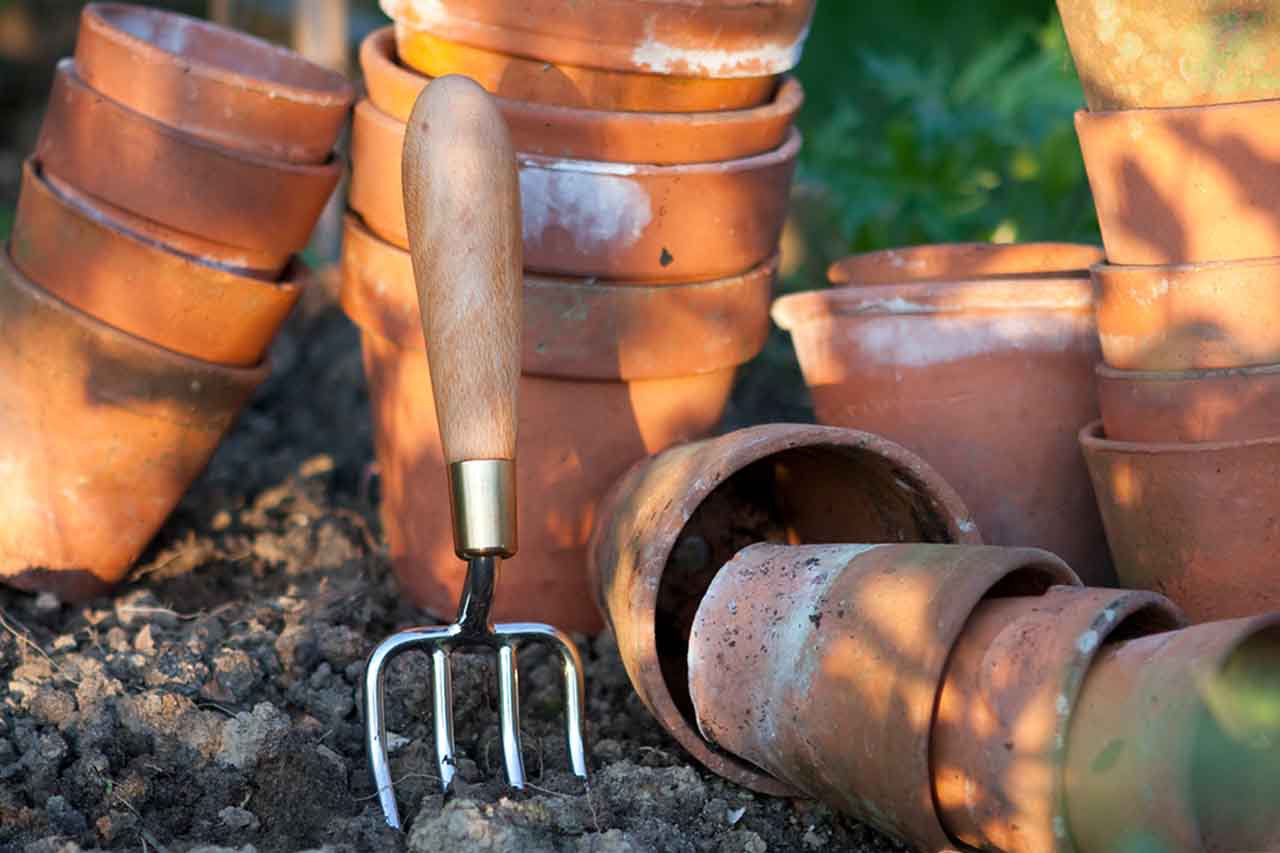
point(471, 629)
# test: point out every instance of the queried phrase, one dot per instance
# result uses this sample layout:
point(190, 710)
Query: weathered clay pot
point(101, 433)
point(587, 363)
point(215, 83)
point(1175, 742)
point(1189, 317)
point(1190, 405)
point(710, 38)
point(1173, 53)
point(658, 138)
point(965, 262)
point(618, 221)
point(1195, 522)
point(76, 253)
point(823, 664)
point(672, 521)
point(176, 179)
point(1000, 731)
point(537, 81)
point(1186, 185)
point(1006, 365)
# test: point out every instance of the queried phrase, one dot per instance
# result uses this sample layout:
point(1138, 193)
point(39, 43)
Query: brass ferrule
point(483, 504)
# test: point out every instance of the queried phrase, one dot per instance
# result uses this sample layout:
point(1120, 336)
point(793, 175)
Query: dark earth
point(213, 702)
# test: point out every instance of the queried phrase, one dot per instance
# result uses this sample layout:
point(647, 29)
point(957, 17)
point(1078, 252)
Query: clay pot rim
point(837, 276)
point(1173, 112)
point(1116, 374)
point(1106, 269)
point(332, 89)
point(1093, 439)
point(786, 152)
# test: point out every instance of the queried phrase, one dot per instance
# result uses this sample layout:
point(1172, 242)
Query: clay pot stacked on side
point(652, 209)
point(179, 169)
point(980, 358)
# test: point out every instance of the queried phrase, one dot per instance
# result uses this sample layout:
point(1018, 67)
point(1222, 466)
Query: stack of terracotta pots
point(980, 358)
point(179, 169)
point(1180, 144)
point(656, 149)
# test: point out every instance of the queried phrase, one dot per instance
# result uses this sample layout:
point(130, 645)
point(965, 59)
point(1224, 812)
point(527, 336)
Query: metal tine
point(574, 683)
point(442, 716)
point(509, 714)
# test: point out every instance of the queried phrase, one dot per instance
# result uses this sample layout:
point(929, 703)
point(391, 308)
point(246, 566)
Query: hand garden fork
point(462, 206)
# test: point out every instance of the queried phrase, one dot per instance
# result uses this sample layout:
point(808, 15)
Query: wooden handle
point(462, 206)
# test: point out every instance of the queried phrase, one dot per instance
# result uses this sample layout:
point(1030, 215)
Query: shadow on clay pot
point(1190, 405)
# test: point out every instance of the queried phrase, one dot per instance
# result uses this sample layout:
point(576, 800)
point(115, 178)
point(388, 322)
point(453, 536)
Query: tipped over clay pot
point(101, 433)
point(1006, 364)
point(658, 138)
point(822, 665)
point(1185, 185)
point(709, 38)
point(76, 253)
point(1175, 743)
point(626, 222)
point(178, 180)
point(1193, 521)
point(673, 521)
point(965, 262)
point(611, 374)
point(1189, 316)
point(1190, 405)
point(212, 82)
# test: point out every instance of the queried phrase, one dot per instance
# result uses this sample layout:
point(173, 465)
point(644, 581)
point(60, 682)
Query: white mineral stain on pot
point(658, 57)
point(601, 211)
point(888, 340)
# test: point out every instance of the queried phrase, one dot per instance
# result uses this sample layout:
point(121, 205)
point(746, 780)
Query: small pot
point(1006, 365)
point(966, 262)
point(537, 81)
point(1000, 731)
point(1175, 742)
point(823, 664)
point(710, 38)
point(656, 138)
point(1195, 522)
point(576, 379)
point(1185, 185)
point(1189, 317)
point(1172, 53)
point(617, 221)
point(175, 179)
point(220, 85)
point(78, 255)
point(672, 522)
point(101, 433)
point(1190, 405)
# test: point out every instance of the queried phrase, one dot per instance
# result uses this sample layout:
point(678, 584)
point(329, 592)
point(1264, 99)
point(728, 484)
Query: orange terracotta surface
point(175, 179)
point(668, 526)
point(1185, 185)
point(822, 664)
point(658, 138)
point(1193, 405)
point(582, 218)
point(78, 254)
point(965, 261)
point(1189, 317)
point(1193, 521)
point(101, 433)
point(708, 38)
point(212, 82)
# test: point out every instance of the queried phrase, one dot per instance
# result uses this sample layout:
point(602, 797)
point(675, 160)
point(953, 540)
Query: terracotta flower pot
point(658, 138)
point(593, 356)
point(710, 38)
point(175, 179)
point(1190, 405)
point(1175, 743)
point(1195, 522)
point(1186, 185)
point(537, 81)
point(672, 522)
point(965, 262)
point(100, 435)
point(617, 221)
point(1006, 365)
point(1189, 317)
point(215, 83)
point(79, 255)
point(823, 664)
point(1172, 53)
point(999, 739)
